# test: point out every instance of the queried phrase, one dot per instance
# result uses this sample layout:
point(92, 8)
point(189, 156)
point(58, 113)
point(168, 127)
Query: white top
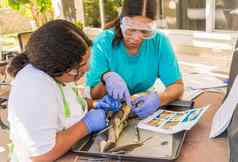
point(36, 112)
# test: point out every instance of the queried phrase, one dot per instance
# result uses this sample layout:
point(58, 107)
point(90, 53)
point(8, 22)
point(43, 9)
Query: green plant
point(92, 14)
point(39, 10)
point(78, 24)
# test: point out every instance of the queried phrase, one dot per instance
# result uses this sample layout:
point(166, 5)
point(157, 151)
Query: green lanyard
point(81, 101)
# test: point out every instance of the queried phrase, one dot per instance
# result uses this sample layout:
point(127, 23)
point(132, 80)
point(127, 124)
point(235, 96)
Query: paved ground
point(199, 61)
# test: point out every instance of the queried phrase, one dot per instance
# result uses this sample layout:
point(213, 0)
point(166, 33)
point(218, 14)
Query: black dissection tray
point(158, 147)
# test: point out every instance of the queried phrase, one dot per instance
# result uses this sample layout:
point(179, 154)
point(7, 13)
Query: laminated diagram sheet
point(170, 122)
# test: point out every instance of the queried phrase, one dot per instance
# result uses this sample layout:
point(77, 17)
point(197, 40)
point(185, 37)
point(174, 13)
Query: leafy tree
point(111, 9)
point(92, 14)
point(3, 3)
point(39, 10)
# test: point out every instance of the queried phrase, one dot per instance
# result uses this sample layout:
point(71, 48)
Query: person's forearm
point(172, 92)
point(64, 141)
point(98, 91)
point(91, 103)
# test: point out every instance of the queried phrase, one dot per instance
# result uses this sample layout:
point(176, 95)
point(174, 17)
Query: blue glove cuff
point(101, 78)
point(86, 121)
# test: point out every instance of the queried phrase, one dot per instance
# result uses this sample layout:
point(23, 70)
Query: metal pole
point(210, 15)
point(101, 8)
point(80, 11)
point(160, 9)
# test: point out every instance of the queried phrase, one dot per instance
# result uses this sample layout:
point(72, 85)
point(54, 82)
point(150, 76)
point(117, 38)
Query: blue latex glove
point(116, 87)
point(144, 106)
point(107, 103)
point(95, 120)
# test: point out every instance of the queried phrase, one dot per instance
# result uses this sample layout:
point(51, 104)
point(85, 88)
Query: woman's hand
point(116, 87)
point(107, 103)
point(95, 120)
point(144, 106)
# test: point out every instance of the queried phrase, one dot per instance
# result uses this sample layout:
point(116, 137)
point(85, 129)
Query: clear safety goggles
point(73, 72)
point(76, 72)
point(132, 27)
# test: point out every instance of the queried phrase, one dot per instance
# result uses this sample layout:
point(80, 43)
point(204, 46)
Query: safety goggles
point(132, 27)
point(76, 72)
point(73, 72)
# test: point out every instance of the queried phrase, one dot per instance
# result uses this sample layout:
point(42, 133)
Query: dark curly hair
point(56, 47)
point(132, 8)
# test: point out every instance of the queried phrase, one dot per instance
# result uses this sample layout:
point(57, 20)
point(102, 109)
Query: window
point(183, 14)
point(196, 15)
point(226, 16)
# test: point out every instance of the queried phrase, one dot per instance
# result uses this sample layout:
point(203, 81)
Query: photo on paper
point(180, 113)
point(192, 115)
point(170, 124)
point(178, 116)
point(164, 115)
point(155, 122)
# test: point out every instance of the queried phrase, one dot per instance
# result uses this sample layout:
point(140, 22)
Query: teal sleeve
point(98, 63)
point(169, 71)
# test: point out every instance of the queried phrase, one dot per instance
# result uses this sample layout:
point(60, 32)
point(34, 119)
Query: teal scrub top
point(155, 59)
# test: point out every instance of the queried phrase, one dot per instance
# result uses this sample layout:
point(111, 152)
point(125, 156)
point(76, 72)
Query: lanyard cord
point(81, 101)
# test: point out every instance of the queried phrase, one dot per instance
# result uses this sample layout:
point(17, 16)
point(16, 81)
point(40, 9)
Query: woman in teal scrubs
point(130, 55)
